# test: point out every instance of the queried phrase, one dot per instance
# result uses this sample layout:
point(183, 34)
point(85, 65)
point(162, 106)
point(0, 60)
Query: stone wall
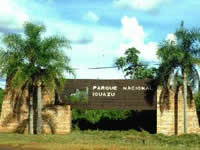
point(57, 119)
point(170, 113)
point(14, 115)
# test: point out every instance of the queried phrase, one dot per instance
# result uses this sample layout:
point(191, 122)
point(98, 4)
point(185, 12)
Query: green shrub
point(93, 116)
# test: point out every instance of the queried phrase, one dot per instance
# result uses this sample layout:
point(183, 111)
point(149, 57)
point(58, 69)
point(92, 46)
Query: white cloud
point(99, 52)
point(131, 30)
point(12, 16)
point(91, 17)
point(77, 34)
point(171, 37)
point(145, 5)
point(134, 36)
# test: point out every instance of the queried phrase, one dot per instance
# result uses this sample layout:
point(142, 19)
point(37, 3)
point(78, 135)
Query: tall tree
point(133, 68)
point(180, 57)
point(35, 61)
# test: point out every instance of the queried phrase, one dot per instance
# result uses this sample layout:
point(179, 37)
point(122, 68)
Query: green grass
point(102, 140)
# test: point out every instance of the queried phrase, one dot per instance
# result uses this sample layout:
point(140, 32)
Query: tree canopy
point(33, 57)
point(133, 68)
point(180, 56)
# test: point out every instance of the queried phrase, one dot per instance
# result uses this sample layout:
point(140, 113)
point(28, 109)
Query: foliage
point(94, 116)
point(31, 58)
point(114, 120)
point(132, 67)
point(180, 56)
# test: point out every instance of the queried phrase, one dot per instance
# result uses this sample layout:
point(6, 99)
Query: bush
point(114, 120)
point(93, 116)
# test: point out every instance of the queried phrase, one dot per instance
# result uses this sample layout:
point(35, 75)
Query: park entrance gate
point(99, 94)
point(134, 95)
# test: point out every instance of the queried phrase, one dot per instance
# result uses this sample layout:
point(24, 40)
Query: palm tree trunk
point(39, 108)
point(31, 112)
point(185, 100)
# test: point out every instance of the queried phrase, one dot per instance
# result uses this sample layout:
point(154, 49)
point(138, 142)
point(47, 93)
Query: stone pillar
point(57, 119)
point(170, 113)
point(14, 115)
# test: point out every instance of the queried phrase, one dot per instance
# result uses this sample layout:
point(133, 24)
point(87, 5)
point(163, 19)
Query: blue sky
point(101, 30)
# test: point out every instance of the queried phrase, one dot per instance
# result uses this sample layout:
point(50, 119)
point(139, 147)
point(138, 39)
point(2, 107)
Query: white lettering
point(112, 94)
point(138, 88)
point(114, 88)
point(105, 94)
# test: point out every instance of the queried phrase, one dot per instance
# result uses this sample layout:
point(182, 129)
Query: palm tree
point(180, 57)
point(36, 62)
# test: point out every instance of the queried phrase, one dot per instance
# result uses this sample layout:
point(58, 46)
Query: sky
point(101, 30)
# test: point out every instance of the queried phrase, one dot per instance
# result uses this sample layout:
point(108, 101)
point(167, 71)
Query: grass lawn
point(101, 140)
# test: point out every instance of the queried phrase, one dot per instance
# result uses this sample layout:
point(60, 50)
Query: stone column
point(14, 115)
point(170, 118)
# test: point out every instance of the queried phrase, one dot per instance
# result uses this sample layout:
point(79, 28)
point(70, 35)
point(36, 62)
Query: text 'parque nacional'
point(110, 91)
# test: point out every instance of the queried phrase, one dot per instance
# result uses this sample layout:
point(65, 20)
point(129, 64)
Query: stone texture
point(14, 115)
point(170, 113)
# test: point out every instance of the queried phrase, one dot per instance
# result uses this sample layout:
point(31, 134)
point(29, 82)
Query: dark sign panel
point(110, 94)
